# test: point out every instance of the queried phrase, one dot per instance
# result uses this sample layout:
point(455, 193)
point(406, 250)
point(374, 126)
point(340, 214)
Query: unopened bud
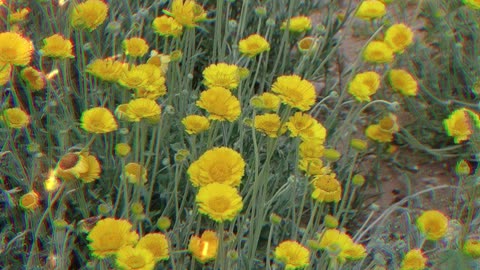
point(331, 155)
point(164, 223)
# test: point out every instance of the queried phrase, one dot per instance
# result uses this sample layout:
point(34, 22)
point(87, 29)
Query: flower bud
point(261, 11)
point(176, 55)
point(462, 168)
point(331, 155)
point(104, 209)
point(330, 222)
point(359, 145)
point(164, 223)
point(275, 219)
point(358, 180)
point(137, 208)
point(122, 149)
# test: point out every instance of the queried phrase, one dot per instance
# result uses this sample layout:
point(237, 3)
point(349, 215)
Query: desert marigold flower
point(460, 124)
point(56, 46)
point(371, 9)
point(18, 16)
point(107, 69)
point(433, 224)
point(311, 149)
point(384, 130)
point(221, 75)
point(364, 85)
point(136, 77)
point(313, 166)
point(306, 127)
point(29, 201)
point(298, 24)
point(162, 60)
point(378, 52)
point(266, 101)
point(220, 202)
point(253, 45)
point(34, 79)
point(187, 12)
point(398, 37)
point(15, 49)
point(472, 248)
point(292, 254)
point(295, 92)
point(89, 14)
point(167, 26)
point(220, 104)
point(109, 235)
point(403, 82)
point(98, 120)
point(195, 124)
point(157, 244)
point(269, 124)
point(307, 44)
point(135, 173)
point(473, 4)
point(122, 149)
point(71, 166)
point(218, 165)
point(340, 245)
point(135, 47)
point(15, 118)
point(93, 171)
point(134, 258)
point(414, 260)
point(5, 72)
point(204, 248)
point(326, 188)
point(142, 108)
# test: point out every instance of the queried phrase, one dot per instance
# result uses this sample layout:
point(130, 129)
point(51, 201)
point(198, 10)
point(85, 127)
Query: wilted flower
point(34, 79)
point(384, 130)
point(472, 248)
point(18, 16)
point(461, 123)
point(30, 201)
point(135, 173)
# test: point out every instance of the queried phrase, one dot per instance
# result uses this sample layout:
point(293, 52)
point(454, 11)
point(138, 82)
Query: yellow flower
point(364, 85)
point(195, 124)
point(384, 130)
point(292, 254)
point(5, 72)
point(460, 124)
point(218, 165)
point(253, 45)
point(220, 202)
point(56, 46)
point(137, 77)
point(340, 245)
point(308, 44)
point(187, 12)
point(371, 9)
point(15, 118)
point(89, 14)
point(70, 166)
point(326, 188)
point(414, 260)
point(15, 49)
point(353, 252)
point(473, 4)
point(138, 258)
point(221, 75)
point(403, 82)
point(472, 248)
point(154, 86)
point(135, 47)
point(109, 235)
point(307, 127)
point(122, 149)
point(204, 248)
point(51, 184)
point(98, 120)
point(378, 52)
point(298, 24)
point(161, 60)
point(142, 108)
point(34, 79)
point(398, 37)
point(94, 169)
point(312, 166)
point(266, 101)
point(167, 26)
point(311, 149)
point(433, 224)
point(135, 173)
point(18, 16)
point(30, 201)
point(270, 124)
point(220, 104)
point(107, 69)
point(295, 92)
point(157, 244)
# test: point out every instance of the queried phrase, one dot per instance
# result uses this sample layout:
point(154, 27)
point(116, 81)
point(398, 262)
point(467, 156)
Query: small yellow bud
point(275, 219)
point(60, 224)
point(122, 149)
point(243, 73)
point(331, 155)
point(330, 222)
point(358, 180)
point(137, 208)
point(359, 145)
point(164, 223)
point(104, 209)
point(176, 56)
point(463, 168)
point(181, 155)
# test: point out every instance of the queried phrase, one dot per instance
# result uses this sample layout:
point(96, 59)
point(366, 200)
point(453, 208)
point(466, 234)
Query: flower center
point(135, 262)
point(219, 204)
point(220, 172)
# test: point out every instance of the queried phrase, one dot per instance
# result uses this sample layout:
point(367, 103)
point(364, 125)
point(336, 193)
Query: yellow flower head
point(161, 60)
point(398, 37)
point(326, 188)
point(157, 244)
point(167, 26)
point(56, 46)
point(18, 16)
point(313, 166)
point(307, 127)
point(433, 224)
point(195, 124)
point(460, 124)
point(30, 201)
point(364, 85)
point(135, 78)
point(98, 120)
point(107, 69)
point(34, 79)
point(109, 235)
point(298, 24)
point(220, 202)
point(154, 87)
point(134, 258)
point(473, 4)
point(15, 118)
point(472, 248)
point(204, 248)
point(221, 75)
point(135, 173)
point(89, 14)
point(122, 149)
point(253, 45)
point(308, 44)
point(403, 82)
point(266, 101)
point(15, 49)
point(270, 124)
point(135, 47)
point(295, 92)
point(5, 72)
point(340, 245)
point(218, 165)
point(311, 149)
point(93, 171)
point(220, 104)
point(384, 130)
point(292, 254)
point(371, 9)
point(142, 108)
point(378, 52)
point(187, 12)
point(414, 260)
point(71, 166)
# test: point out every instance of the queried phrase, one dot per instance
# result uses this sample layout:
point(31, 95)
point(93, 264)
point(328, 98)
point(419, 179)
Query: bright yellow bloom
point(134, 258)
point(195, 124)
point(298, 24)
point(311, 149)
point(460, 124)
point(157, 244)
point(266, 101)
point(94, 169)
point(403, 82)
point(15, 118)
point(433, 224)
point(204, 248)
point(70, 166)
point(167, 26)
point(220, 202)
point(154, 87)
point(340, 245)
point(221, 75)
point(135, 47)
point(135, 78)
point(378, 52)
point(220, 104)
point(34, 79)
point(218, 165)
point(313, 166)
point(292, 254)
point(187, 12)
point(89, 14)
point(270, 124)
point(326, 188)
point(295, 92)
point(56, 46)
point(110, 235)
point(384, 130)
point(142, 108)
point(30, 201)
point(122, 149)
point(107, 69)
point(5, 72)
point(15, 49)
point(472, 248)
point(398, 37)
point(253, 45)
point(473, 4)
point(18, 16)
point(135, 173)
point(364, 85)
point(98, 120)
point(371, 9)
point(414, 260)
point(307, 127)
